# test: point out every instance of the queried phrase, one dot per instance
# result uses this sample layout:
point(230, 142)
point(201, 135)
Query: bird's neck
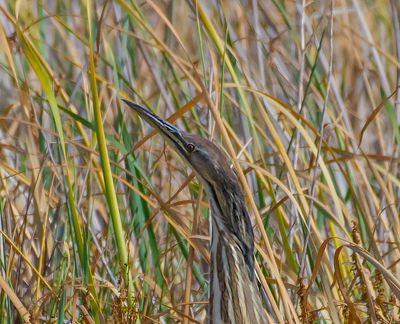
point(234, 295)
point(231, 221)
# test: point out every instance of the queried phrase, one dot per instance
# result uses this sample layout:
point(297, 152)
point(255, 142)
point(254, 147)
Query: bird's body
point(234, 294)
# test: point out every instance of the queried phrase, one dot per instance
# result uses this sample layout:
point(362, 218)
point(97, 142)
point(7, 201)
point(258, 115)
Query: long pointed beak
point(170, 132)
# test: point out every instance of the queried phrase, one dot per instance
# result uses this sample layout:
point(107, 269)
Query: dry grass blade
point(19, 306)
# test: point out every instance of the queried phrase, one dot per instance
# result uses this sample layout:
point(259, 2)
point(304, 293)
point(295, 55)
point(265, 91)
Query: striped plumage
point(234, 294)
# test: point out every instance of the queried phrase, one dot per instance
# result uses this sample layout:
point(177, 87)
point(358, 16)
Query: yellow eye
point(190, 147)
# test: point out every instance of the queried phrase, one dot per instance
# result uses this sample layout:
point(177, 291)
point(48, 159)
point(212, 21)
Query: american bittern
point(234, 294)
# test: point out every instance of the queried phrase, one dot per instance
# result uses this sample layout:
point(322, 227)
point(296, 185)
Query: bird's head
point(208, 161)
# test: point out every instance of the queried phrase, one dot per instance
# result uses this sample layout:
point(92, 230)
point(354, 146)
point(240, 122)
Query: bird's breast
point(234, 297)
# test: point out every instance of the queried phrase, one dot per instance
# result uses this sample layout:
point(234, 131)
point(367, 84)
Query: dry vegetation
point(99, 219)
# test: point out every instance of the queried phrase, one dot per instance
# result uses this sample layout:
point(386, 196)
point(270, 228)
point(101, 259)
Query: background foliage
point(99, 219)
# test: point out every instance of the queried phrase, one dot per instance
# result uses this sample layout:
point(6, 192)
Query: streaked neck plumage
point(234, 295)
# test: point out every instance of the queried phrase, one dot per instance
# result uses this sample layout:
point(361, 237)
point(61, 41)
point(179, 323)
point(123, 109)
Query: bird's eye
point(190, 147)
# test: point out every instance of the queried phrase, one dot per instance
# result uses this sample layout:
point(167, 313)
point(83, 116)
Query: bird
point(234, 295)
